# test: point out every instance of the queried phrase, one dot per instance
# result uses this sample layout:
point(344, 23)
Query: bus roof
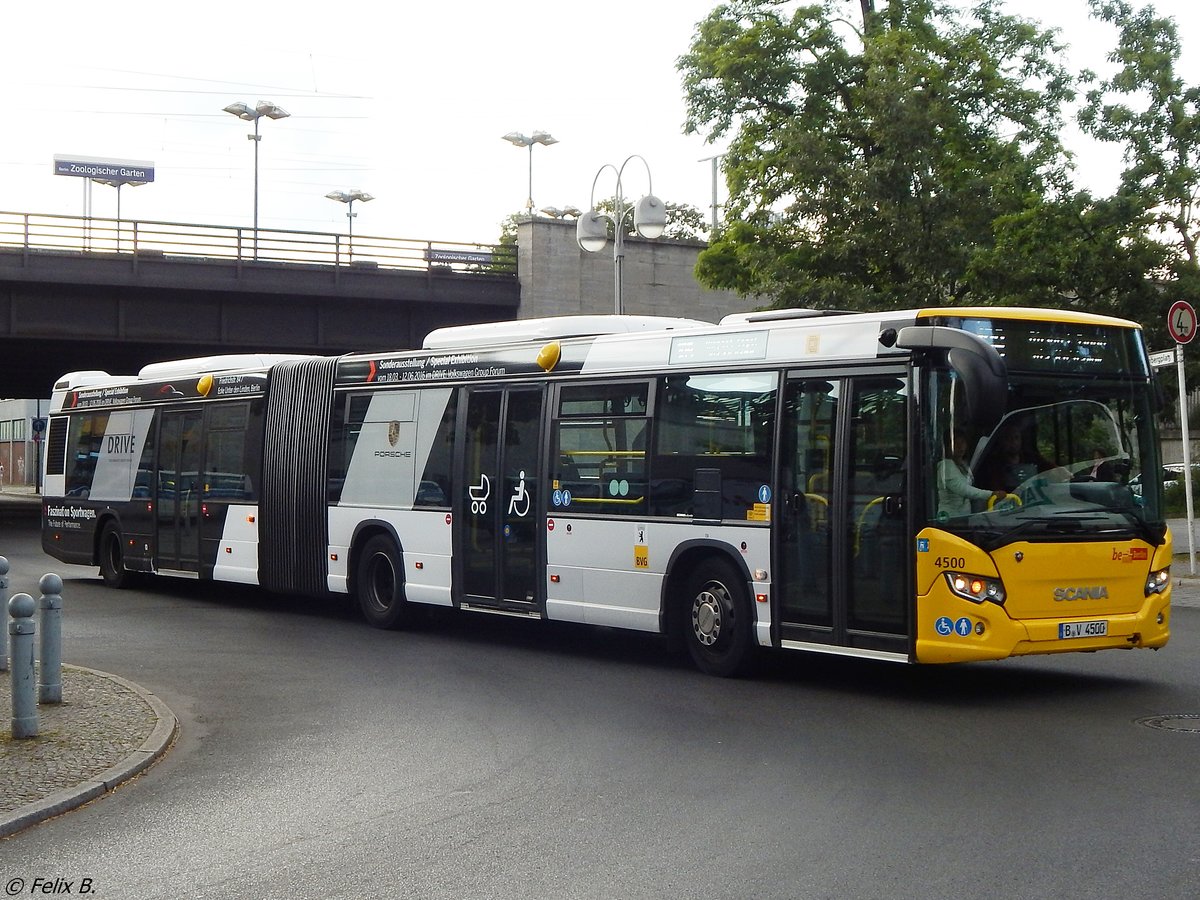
point(489, 334)
point(226, 363)
point(1029, 313)
point(606, 343)
point(159, 371)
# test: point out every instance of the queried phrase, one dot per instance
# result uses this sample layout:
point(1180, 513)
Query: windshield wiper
point(1057, 523)
point(1068, 523)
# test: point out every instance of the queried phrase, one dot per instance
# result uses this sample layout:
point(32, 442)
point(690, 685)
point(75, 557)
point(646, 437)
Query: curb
point(159, 741)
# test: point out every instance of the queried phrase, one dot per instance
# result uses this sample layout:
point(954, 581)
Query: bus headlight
point(976, 588)
point(1158, 581)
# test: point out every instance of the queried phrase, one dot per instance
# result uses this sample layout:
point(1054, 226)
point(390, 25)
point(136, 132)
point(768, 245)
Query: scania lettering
point(923, 486)
point(1081, 593)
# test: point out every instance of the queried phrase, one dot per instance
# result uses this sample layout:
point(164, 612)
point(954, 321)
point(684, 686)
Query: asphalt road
point(476, 756)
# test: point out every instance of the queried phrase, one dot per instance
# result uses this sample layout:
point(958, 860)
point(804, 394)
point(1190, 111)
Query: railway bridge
point(87, 293)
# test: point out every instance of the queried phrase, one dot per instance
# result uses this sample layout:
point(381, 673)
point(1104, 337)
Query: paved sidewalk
point(104, 732)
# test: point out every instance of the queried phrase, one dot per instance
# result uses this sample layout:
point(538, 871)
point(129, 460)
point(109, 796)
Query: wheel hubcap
point(707, 617)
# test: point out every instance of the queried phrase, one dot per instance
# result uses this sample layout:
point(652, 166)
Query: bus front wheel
point(380, 584)
point(716, 626)
point(112, 557)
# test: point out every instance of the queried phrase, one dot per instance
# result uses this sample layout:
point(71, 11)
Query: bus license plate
point(1082, 629)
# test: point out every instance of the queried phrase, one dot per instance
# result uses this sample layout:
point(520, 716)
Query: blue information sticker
point(922, 545)
point(944, 626)
point(764, 493)
point(963, 626)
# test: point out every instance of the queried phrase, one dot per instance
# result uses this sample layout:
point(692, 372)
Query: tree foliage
point(869, 158)
point(1146, 107)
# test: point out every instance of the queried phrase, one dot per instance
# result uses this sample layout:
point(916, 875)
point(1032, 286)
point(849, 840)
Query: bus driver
point(956, 490)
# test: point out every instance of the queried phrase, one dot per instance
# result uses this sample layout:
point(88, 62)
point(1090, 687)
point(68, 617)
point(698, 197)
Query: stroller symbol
point(479, 494)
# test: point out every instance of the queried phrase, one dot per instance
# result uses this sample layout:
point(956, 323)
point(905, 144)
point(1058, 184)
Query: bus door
point(499, 509)
point(843, 568)
point(177, 501)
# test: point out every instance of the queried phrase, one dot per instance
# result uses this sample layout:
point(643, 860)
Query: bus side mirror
point(981, 370)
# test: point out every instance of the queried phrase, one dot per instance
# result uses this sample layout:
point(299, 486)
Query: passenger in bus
point(1101, 468)
point(957, 493)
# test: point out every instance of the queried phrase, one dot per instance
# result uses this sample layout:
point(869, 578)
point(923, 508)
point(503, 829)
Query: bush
point(1175, 500)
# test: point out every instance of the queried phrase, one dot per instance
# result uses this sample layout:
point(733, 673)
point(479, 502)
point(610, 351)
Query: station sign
point(119, 170)
point(475, 257)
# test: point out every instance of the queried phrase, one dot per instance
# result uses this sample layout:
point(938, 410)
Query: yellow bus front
point(1044, 597)
point(1040, 524)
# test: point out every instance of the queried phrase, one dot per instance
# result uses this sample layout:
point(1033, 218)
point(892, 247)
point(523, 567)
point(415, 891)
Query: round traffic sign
point(1181, 321)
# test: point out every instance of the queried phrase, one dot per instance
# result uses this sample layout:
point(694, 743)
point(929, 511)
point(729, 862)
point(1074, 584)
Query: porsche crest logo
point(393, 433)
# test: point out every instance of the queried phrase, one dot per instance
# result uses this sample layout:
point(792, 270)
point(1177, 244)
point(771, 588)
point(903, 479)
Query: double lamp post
point(649, 218)
point(269, 110)
point(348, 197)
point(649, 214)
point(253, 114)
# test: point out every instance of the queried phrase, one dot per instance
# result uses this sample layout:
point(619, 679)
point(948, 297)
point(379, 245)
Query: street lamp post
point(519, 140)
point(247, 114)
point(348, 197)
point(649, 218)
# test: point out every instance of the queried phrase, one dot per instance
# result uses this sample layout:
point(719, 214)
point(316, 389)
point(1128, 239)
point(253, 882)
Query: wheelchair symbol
point(479, 494)
point(520, 495)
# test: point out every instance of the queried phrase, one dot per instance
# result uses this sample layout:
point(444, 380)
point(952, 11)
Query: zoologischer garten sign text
point(126, 170)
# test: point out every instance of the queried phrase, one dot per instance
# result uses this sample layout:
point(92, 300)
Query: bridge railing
point(33, 232)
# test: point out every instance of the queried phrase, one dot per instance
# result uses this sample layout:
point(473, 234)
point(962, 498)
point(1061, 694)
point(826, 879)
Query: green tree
point(1146, 107)
point(508, 229)
point(1075, 250)
point(869, 159)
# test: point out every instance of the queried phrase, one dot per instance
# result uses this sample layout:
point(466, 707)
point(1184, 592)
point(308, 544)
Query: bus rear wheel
point(380, 584)
point(716, 621)
point(112, 557)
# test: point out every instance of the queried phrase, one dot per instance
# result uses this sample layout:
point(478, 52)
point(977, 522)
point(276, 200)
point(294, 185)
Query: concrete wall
point(558, 278)
point(20, 455)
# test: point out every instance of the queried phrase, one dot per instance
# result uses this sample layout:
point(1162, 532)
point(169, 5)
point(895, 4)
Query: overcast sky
point(406, 101)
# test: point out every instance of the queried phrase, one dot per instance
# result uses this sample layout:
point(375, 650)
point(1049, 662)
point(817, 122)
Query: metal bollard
point(3, 600)
point(20, 636)
point(50, 670)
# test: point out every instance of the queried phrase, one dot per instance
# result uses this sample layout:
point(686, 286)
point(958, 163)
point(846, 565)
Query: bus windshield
point(1073, 456)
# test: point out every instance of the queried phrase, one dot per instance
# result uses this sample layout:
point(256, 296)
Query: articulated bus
point(779, 480)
